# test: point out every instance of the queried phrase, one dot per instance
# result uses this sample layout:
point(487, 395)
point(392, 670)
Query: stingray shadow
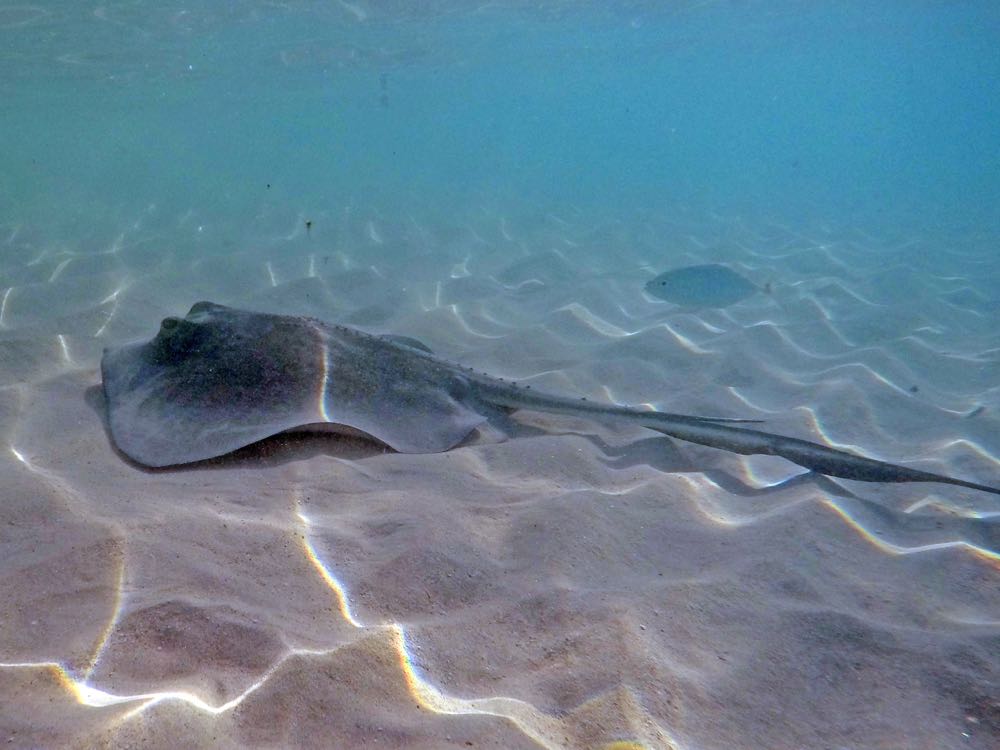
point(273, 451)
point(299, 445)
point(664, 455)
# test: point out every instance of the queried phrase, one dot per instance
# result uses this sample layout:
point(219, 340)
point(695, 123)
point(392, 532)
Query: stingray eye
point(168, 324)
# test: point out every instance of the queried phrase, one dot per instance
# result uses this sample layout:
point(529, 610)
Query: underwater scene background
point(501, 180)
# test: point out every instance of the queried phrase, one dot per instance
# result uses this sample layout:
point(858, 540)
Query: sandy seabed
point(574, 586)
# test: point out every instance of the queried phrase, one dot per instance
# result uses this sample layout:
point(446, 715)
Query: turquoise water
point(501, 181)
point(855, 113)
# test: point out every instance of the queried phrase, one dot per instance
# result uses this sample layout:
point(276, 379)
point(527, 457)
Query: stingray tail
point(812, 456)
point(718, 432)
point(725, 420)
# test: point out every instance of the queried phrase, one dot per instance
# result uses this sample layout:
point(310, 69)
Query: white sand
point(575, 586)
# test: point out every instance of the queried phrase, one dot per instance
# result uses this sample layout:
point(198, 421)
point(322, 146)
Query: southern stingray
point(220, 379)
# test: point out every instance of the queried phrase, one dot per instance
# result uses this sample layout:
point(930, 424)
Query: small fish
point(710, 285)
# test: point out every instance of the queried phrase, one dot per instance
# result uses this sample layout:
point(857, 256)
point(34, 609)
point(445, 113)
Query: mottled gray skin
point(220, 379)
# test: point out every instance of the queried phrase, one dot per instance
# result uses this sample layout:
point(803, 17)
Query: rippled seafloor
point(574, 586)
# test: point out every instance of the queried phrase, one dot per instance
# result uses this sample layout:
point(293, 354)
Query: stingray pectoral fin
point(431, 434)
point(812, 456)
point(408, 341)
point(425, 421)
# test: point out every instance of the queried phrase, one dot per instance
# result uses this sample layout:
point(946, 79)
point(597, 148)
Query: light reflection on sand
point(547, 731)
point(3, 306)
point(876, 538)
point(607, 611)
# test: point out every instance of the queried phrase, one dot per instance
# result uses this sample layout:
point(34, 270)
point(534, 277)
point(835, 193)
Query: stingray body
point(710, 285)
point(220, 379)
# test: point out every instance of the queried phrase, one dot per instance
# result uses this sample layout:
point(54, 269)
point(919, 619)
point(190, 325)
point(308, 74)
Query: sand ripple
point(574, 586)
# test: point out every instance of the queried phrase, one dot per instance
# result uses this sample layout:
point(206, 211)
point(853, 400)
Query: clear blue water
point(859, 113)
point(500, 180)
